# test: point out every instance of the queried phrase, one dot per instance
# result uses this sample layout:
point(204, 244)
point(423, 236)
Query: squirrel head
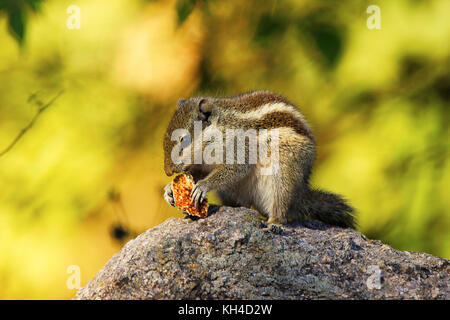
point(180, 132)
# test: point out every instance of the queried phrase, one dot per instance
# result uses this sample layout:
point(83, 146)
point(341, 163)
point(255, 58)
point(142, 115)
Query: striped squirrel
point(284, 196)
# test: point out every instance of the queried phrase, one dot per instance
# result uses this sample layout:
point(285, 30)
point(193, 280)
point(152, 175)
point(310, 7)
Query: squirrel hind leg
point(274, 194)
point(278, 213)
point(288, 186)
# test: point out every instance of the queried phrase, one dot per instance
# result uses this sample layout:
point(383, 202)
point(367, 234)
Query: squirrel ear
point(204, 109)
point(180, 102)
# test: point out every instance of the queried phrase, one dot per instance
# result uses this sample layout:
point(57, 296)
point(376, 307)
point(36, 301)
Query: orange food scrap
point(182, 187)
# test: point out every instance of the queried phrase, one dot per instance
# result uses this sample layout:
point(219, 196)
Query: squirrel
point(285, 195)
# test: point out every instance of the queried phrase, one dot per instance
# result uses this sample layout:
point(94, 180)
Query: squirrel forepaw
point(198, 194)
point(168, 195)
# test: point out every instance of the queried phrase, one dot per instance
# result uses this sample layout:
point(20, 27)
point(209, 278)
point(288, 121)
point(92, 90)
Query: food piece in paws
point(182, 187)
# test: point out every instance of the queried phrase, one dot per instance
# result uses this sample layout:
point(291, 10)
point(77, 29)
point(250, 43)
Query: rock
point(232, 254)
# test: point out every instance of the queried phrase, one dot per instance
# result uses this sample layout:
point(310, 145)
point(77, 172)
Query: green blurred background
point(88, 175)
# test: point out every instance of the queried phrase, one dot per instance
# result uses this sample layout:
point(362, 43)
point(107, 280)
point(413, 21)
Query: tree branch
point(30, 125)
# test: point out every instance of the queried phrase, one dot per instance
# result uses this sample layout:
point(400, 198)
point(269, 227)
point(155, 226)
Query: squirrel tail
point(330, 208)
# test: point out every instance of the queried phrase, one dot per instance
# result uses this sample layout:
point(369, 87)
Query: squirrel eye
point(185, 141)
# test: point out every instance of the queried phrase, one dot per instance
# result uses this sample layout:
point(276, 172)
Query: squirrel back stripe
point(253, 100)
point(283, 120)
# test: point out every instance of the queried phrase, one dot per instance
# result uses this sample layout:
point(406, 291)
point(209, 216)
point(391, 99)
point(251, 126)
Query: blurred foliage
point(17, 11)
point(87, 176)
point(184, 9)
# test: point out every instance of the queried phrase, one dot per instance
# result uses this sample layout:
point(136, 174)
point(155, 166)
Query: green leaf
point(269, 28)
point(35, 5)
point(184, 9)
point(327, 38)
point(329, 41)
point(17, 23)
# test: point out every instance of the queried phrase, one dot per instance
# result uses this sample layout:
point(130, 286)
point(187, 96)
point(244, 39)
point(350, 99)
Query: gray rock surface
point(233, 254)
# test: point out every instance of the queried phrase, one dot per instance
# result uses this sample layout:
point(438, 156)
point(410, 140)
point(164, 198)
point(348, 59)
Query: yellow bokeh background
point(92, 164)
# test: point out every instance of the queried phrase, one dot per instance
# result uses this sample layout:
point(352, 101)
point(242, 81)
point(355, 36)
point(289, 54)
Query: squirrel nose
point(168, 171)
